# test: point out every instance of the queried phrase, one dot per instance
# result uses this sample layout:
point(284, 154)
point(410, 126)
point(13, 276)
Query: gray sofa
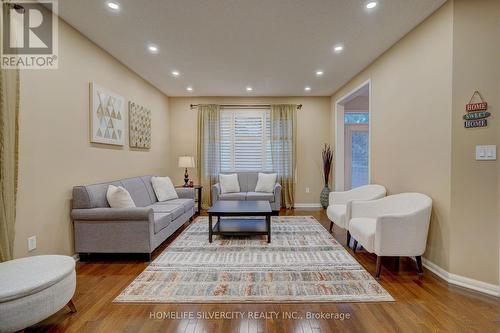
point(248, 182)
point(101, 229)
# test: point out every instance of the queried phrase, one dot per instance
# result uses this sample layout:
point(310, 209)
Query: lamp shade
point(186, 162)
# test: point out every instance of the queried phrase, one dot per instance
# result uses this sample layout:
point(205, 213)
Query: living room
point(376, 92)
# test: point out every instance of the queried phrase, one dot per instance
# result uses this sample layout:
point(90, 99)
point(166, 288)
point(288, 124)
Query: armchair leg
point(331, 226)
point(420, 268)
point(348, 238)
point(379, 267)
point(71, 306)
point(355, 246)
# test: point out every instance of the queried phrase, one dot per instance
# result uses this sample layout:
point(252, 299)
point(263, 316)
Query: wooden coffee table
point(240, 226)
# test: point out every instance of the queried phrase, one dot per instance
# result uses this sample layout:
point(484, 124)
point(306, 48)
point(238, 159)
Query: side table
point(197, 188)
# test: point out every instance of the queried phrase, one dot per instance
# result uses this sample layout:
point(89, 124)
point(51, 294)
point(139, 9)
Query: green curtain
point(284, 149)
point(208, 150)
point(9, 150)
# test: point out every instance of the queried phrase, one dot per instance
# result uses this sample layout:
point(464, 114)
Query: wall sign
point(476, 112)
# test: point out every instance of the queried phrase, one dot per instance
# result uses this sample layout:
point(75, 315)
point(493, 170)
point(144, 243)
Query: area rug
point(303, 263)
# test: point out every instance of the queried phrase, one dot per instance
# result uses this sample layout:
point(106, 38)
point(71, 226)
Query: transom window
point(245, 140)
point(356, 117)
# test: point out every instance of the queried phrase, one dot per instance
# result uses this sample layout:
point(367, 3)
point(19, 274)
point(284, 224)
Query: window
point(245, 140)
point(356, 117)
point(356, 149)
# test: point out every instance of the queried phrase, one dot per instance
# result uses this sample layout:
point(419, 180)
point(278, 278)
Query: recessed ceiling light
point(189, 88)
point(307, 88)
point(153, 48)
point(113, 5)
point(319, 73)
point(338, 48)
point(175, 73)
point(371, 4)
point(249, 88)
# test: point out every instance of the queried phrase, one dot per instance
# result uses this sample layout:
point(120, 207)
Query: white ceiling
point(222, 46)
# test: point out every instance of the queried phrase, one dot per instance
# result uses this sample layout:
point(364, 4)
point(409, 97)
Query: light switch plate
point(486, 153)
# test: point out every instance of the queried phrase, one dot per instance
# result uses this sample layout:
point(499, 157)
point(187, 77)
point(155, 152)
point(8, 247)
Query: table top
point(242, 207)
point(194, 186)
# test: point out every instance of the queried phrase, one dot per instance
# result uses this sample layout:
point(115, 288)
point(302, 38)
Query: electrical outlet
point(31, 243)
point(308, 190)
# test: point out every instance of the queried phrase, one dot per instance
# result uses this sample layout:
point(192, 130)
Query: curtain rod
point(193, 106)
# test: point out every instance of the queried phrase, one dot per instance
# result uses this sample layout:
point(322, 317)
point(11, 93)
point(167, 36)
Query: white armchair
point(396, 225)
point(339, 206)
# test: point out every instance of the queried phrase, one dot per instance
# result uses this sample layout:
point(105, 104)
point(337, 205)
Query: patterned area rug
point(303, 263)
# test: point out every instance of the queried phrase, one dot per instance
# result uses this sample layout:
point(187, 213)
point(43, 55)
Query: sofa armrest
point(215, 192)
point(185, 192)
point(277, 194)
point(110, 214)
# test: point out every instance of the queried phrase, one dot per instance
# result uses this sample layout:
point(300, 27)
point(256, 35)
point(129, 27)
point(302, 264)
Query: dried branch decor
point(327, 162)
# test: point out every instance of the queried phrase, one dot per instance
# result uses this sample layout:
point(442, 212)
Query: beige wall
point(474, 190)
point(55, 151)
point(410, 120)
point(419, 91)
point(313, 131)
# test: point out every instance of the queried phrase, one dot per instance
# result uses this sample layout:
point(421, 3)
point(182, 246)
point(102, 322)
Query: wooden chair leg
point(331, 226)
point(379, 267)
point(71, 306)
point(420, 268)
point(348, 238)
point(355, 246)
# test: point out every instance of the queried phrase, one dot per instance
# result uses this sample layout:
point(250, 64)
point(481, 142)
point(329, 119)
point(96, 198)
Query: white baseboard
point(462, 281)
point(307, 205)
point(76, 257)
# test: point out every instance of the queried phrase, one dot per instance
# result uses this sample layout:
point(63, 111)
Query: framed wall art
point(107, 113)
point(139, 126)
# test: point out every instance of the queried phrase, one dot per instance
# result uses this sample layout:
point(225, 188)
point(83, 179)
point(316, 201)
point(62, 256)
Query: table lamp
point(186, 162)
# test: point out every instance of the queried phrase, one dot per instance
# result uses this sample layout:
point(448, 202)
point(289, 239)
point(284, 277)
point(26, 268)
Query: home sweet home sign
point(476, 115)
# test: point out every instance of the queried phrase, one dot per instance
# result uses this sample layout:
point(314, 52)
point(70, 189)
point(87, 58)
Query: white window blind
point(245, 140)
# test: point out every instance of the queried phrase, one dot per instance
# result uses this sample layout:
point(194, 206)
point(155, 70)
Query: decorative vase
point(324, 197)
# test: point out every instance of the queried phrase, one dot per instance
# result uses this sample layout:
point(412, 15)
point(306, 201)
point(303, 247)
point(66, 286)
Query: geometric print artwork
point(139, 126)
point(106, 116)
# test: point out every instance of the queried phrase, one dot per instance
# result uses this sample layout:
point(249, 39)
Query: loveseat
point(248, 182)
point(101, 229)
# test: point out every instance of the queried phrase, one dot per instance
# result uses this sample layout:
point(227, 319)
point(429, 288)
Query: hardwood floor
point(423, 304)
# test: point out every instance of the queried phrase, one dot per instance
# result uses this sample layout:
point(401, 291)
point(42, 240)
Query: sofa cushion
point(337, 214)
point(233, 196)
point(164, 188)
point(118, 197)
point(229, 183)
point(266, 182)
point(161, 220)
point(92, 196)
point(188, 204)
point(362, 229)
point(149, 187)
point(255, 196)
point(26, 276)
point(175, 210)
point(138, 191)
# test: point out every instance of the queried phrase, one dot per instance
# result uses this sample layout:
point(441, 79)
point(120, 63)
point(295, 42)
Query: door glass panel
point(359, 160)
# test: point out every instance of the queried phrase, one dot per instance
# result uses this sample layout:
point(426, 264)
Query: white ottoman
point(34, 288)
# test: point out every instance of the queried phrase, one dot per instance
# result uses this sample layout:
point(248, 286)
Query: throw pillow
point(118, 197)
point(266, 182)
point(164, 189)
point(229, 183)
